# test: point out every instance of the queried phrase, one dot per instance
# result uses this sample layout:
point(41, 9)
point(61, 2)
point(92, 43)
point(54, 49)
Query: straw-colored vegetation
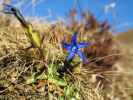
point(27, 73)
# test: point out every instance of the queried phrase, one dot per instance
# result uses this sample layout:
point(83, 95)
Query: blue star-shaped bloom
point(74, 48)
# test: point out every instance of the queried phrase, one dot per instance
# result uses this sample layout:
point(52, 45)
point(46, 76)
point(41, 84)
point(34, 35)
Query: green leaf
point(77, 96)
point(61, 98)
point(58, 81)
point(42, 76)
point(61, 82)
point(34, 37)
point(52, 70)
point(68, 91)
point(31, 79)
point(72, 98)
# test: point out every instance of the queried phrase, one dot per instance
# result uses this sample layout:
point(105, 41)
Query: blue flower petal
point(83, 44)
point(74, 38)
point(82, 56)
point(74, 48)
point(8, 9)
point(66, 46)
point(70, 56)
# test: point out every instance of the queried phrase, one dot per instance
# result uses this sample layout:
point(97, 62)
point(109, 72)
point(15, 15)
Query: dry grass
point(23, 70)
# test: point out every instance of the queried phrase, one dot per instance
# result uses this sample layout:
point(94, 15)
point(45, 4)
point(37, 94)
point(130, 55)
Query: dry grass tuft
point(25, 71)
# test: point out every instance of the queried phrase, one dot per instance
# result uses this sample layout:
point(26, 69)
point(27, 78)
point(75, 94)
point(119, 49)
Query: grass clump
point(29, 73)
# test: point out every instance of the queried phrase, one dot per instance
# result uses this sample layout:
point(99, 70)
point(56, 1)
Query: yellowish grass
point(93, 82)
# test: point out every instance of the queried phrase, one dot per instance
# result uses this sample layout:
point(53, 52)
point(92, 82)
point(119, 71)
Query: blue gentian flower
point(75, 48)
point(9, 9)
